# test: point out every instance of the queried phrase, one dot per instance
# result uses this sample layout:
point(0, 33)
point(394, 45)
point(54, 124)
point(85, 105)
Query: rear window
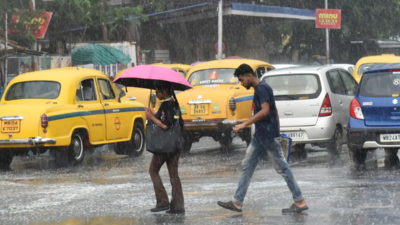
point(381, 85)
point(213, 77)
point(294, 86)
point(34, 90)
point(367, 66)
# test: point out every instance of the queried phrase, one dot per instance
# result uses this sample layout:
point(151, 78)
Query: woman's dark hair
point(244, 70)
point(170, 90)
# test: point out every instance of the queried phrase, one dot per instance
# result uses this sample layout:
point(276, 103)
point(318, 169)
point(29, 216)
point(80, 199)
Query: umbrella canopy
point(234, 57)
point(195, 63)
point(148, 76)
point(98, 54)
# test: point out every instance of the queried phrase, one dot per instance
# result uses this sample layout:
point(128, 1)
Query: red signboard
point(43, 21)
point(328, 18)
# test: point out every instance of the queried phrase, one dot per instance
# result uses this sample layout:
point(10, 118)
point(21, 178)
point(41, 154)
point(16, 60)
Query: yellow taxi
point(217, 101)
point(145, 96)
point(69, 111)
point(180, 68)
point(368, 62)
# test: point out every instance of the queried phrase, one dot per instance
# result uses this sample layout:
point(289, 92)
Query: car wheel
point(226, 143)
point(299, 152)
point(358, 156)
point(391, 158)
point(76, 151)
point(135, 146)
point(6, 157)
point(71, 155)
point(335, 144)
point(186, 144)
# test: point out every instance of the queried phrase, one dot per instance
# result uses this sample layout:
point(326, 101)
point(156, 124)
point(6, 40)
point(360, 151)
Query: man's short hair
point(244, 70)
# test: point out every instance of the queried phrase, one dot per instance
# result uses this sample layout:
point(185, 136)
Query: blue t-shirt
point(267, 127)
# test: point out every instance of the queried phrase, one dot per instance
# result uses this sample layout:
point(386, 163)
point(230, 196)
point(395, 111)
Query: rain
point(79, 96)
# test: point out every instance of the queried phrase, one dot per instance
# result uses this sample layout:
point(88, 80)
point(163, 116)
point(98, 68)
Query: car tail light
point(355, 110)
point(326, 108)
point(232, 103)
point(44, 120)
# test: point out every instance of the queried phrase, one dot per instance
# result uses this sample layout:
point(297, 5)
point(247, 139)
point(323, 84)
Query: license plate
point(199, 109)
point(390, 137)
point(10, 126)
point(295, 135)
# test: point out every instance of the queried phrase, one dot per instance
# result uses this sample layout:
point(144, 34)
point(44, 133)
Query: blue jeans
point(256, 151)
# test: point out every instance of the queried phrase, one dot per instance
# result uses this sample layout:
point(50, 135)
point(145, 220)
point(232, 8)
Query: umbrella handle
point(150, 98)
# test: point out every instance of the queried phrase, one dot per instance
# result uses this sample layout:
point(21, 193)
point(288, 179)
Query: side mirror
point(121, 94)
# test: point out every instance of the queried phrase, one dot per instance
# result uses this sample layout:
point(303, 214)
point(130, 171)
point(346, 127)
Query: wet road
point(110, 189)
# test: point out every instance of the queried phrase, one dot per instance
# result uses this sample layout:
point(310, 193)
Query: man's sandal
point(294, 209)
point(229, 205)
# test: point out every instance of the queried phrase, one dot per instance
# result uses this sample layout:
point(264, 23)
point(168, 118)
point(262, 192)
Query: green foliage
point(24, 25)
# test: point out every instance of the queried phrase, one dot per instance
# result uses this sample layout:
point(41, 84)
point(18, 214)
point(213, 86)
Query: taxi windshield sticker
point(396, 81)
point(232, 80)
point(211, 81)
point(213, 76)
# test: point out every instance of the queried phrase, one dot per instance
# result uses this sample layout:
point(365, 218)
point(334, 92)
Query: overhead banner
point(328, 18)
point(43, 20)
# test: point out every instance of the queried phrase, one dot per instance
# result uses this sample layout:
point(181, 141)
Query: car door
point(339, 98)
point(260, 71)
point(117, 121)
point(90, 108)
point(351, 87)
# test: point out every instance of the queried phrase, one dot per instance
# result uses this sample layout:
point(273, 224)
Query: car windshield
point(367, 66)
point(381, 85)
point(34, 90)
point(213, 77)
point(294, 86)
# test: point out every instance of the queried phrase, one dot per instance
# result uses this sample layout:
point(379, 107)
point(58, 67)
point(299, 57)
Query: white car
point(348, 67)
point(283, 66)
point(313, 105)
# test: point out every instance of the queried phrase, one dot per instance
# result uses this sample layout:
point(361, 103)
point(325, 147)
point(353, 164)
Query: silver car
point(313, 105)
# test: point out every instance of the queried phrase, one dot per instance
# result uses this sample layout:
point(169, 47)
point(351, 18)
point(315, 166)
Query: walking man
point(266, 139)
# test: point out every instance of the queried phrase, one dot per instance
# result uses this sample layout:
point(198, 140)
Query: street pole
point(220, 29)
point(6, 48)
point(34, 46)
point(327, 38)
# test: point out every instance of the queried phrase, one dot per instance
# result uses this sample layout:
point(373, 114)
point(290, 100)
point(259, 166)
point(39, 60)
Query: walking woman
point(168, 115)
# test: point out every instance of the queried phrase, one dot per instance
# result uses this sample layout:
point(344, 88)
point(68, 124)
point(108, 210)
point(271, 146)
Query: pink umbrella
point(195, 63)
point(148, 76)
point(234, 57)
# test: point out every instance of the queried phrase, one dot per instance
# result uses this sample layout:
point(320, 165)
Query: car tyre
point(6, 157)
point(335, 145)
point(186, 144)
point(358, 156)
point(299, 152)
point(391, 158)
point(226, 143)
point(135, 146)
point(74, 154)
point(76, 150)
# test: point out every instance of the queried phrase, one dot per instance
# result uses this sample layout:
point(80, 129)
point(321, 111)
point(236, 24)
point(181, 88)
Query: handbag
point(286, 144)
point(159, 140)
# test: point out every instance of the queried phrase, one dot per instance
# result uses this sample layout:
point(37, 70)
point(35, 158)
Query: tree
point(73, 19)
point(24, 25)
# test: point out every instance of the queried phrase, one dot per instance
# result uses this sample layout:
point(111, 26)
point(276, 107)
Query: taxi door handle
point(80, 106)
point(105, 104)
